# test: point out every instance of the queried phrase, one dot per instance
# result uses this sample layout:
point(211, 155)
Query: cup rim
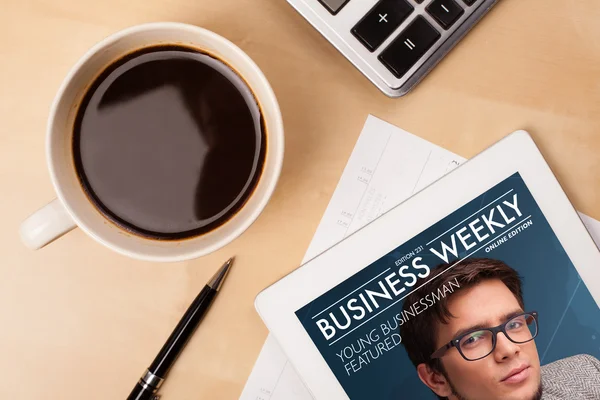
point(276, 129)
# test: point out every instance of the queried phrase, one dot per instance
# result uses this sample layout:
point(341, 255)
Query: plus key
point(380, 22)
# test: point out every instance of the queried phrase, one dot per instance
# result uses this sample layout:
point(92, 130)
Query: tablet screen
point(485, 303)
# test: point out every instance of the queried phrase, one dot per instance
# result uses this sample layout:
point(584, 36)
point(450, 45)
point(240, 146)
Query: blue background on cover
point(568, 315)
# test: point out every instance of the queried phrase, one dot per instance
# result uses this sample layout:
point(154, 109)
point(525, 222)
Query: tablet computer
point(491, 254)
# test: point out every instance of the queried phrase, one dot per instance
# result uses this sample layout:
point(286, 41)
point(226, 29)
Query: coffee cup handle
point(46, 225)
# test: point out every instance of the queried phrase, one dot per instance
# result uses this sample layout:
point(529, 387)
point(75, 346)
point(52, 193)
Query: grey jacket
point(572, 378)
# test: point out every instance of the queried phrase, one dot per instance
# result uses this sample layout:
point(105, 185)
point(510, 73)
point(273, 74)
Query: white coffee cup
point(73, 209)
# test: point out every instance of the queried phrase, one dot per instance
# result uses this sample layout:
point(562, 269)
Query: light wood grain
point(78, 321)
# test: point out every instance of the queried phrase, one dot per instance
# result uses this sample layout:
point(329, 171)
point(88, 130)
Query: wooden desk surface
point(78, 321)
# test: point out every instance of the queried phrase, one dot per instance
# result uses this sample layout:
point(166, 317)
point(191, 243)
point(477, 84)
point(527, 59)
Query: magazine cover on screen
point(484, 304)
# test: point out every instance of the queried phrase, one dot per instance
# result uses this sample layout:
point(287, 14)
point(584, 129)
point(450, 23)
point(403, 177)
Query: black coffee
point(169, 142)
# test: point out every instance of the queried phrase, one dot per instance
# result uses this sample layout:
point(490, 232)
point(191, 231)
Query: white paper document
point(387, 166)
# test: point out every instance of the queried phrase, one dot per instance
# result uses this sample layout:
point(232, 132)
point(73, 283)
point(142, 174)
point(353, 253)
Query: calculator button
point(333, 6)
point(446, 12)
point(381, 22)
point(469, 2)
point(409, 47)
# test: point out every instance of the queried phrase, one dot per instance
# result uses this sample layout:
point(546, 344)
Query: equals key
point(409, 47)
point(410, 44)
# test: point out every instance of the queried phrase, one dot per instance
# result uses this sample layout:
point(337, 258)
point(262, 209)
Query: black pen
point(154, 376)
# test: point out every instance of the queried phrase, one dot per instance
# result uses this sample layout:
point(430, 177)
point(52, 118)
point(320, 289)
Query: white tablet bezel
point(517, 152)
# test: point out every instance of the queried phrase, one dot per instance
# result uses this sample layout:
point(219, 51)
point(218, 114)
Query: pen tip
point(219, 277)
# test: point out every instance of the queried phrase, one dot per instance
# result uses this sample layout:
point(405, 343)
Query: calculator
point(394, 43)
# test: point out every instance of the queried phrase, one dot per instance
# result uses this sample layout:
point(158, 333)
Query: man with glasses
point(478, 342)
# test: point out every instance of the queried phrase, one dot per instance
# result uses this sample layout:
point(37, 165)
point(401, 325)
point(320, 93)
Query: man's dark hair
point(419, 333)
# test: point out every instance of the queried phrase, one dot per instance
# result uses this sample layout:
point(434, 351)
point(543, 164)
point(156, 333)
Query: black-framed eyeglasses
point(479, 343)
